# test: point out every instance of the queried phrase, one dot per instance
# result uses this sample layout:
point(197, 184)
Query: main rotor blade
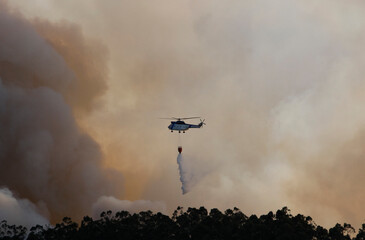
point(180, 118)
point(189, 118)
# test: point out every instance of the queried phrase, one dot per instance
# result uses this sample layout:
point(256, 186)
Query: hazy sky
point(280, 84)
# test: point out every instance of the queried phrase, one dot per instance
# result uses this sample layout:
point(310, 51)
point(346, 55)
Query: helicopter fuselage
point(182, 126)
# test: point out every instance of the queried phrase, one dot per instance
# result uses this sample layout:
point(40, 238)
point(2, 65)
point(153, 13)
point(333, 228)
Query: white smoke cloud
point(19, 211)
point(105, 203)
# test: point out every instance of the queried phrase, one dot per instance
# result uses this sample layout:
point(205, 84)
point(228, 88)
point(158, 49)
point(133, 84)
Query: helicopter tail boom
point(199, 125)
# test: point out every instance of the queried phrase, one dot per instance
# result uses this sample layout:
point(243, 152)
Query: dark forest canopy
point(190, 224)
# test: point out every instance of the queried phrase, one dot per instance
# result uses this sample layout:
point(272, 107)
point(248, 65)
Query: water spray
point(182, 173)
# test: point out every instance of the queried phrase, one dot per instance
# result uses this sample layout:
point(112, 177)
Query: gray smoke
point(19, 211)
point(115, 205)
point(280, 83)
point(44, 155)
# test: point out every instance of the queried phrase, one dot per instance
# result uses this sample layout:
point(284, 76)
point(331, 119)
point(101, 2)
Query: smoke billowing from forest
point(19, 211)
point(46, 79)
point(280, 84)
point(113, 204)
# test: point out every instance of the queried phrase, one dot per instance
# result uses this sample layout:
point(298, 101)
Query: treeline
point(190, 224)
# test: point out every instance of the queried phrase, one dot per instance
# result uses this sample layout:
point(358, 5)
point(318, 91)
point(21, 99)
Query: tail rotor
point(202, 122)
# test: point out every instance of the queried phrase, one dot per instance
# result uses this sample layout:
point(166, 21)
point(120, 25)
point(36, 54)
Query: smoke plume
point(115, 205)
point(44, 81)
point(279, 82)
point(19, 211)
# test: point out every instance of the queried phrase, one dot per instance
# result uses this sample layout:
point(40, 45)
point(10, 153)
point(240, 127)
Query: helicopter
point(181, 126)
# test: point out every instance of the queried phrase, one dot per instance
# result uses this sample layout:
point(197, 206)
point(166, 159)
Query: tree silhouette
point(194, 223)
point(11, 231)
